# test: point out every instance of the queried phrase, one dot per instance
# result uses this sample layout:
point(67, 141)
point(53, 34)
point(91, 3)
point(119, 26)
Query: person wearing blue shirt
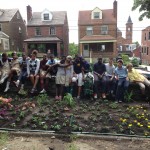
point(123, 81)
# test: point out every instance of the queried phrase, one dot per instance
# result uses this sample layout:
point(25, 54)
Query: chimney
point(29, 12)
point(115, 9)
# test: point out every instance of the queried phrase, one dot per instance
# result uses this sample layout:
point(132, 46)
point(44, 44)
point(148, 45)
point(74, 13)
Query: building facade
point(47, 30)
point(97, 30)
point(12, 30)
point(145, 46)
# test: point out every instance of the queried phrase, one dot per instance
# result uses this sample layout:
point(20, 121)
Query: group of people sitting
point(106, 77)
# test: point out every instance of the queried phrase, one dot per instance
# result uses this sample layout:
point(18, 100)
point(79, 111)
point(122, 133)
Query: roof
point(129, 20)
point(57, 19)
point(97, 38)
point(7, 14)
point(42, 39)
point(3, 35)
point(107, 17)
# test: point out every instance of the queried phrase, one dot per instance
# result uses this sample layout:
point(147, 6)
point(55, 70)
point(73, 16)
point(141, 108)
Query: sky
point(73, 6)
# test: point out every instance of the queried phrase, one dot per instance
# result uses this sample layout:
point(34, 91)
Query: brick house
point(47, 30)
point(12, 30)
point(145, 44)
point(97, 30)
point(125, 45)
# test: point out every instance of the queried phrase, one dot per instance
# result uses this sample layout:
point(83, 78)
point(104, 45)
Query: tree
point(73, 49)
point(144, 8)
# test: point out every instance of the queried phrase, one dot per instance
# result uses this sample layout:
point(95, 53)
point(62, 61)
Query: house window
point(37, 31)
point(18, 15)
point(147, 50)
point(129, 29)
point(52, 31)
point(86, 52)
point(46, 16)
point(0, 27)
point(128, 37)
point(100, 47)
point(142, 49)
point(89, 30)
point(96, 15)
point(20, 30)
point(149, 35)
point(6, 44)
point(104, 29)
point(145, 36)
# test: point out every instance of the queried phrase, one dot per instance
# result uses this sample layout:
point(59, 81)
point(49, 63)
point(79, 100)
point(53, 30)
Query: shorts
point(80, 79)
point(60, 80)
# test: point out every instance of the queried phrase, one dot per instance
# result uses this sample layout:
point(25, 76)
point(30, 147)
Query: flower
point(141, 125)
point(129, 125)
point(135, 121)
point(146, 119)
point(148, 126)
point(138, 124)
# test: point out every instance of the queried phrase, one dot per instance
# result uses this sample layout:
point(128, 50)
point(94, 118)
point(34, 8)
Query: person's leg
point(46, 83)
point(9, 79)
point(103, 86)
point(42, 83)
point(32, 79)
point(61, 91)
point(125, 88)
point(36, 81)
point(80, 83)
point(96, 88)
point(147, 82)
point(57, 91)
point(119, 90)
point(142, 87)
point(4, 75)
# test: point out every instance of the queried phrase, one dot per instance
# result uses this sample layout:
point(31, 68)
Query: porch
point(43, 44)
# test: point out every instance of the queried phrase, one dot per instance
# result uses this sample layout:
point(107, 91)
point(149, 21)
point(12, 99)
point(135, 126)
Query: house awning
point(97, 39)
point(43, 39)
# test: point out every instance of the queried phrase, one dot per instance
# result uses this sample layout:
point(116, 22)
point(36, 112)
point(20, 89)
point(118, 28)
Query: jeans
point(22, 76)
point(111, 85)
point(100, 85)
point(122, 87)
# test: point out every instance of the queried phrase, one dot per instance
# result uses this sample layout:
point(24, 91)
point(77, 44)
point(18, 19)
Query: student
point(110, 74)
point(99, 78)
point(23, 75)
point(43, 70)
point(33, 67)
point(78, 70)
point(122, 79)
point(15, 70)
point(4, 68)
point(137, 78)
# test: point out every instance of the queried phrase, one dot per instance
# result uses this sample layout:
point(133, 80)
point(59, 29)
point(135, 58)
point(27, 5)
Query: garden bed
point(101, 116)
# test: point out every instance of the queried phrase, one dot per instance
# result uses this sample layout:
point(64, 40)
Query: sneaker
point(16, 83)
point(120, 101)
point(60, 97)
point(43, 91)
point(33, 90)
point(56, 98)
point(1, 81)
point(78, 97)
point(103, 96)
point(6, 90)
point(95, 96)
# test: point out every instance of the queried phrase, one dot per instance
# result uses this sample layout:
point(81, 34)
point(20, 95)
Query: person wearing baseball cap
point(123, 81)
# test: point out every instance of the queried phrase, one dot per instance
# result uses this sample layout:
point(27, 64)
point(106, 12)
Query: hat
point(120, 60)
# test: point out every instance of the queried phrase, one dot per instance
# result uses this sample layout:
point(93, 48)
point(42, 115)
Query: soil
point(42, 112)
point(45, 143)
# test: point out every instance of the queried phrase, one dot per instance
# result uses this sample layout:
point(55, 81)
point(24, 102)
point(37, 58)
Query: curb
point(78, 135)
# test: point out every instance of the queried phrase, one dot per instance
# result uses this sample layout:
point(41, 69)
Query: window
point(18, 15)
point(6, 44)
point(52, 31)
point(100, 47)
point(20, 30)
point(145, 36)
point(0, 27)
point(147, 50)
point(104, 29)
point(149, 35)
point(96, 15)
point(128, 37)
point(142, 49)
point(46, 16)
point(86, 52)
point(129, 29)
point(89, 30)
point(37, 31)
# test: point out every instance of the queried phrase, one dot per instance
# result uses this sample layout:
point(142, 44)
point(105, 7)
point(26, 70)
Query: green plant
point(72, 147)
point(128, 96)
point(42, 99)
point(113, 105)
point(3, 138)
point(68, 100)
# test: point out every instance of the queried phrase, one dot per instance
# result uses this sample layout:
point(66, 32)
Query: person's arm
point(37, 67)
point(28, 69)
